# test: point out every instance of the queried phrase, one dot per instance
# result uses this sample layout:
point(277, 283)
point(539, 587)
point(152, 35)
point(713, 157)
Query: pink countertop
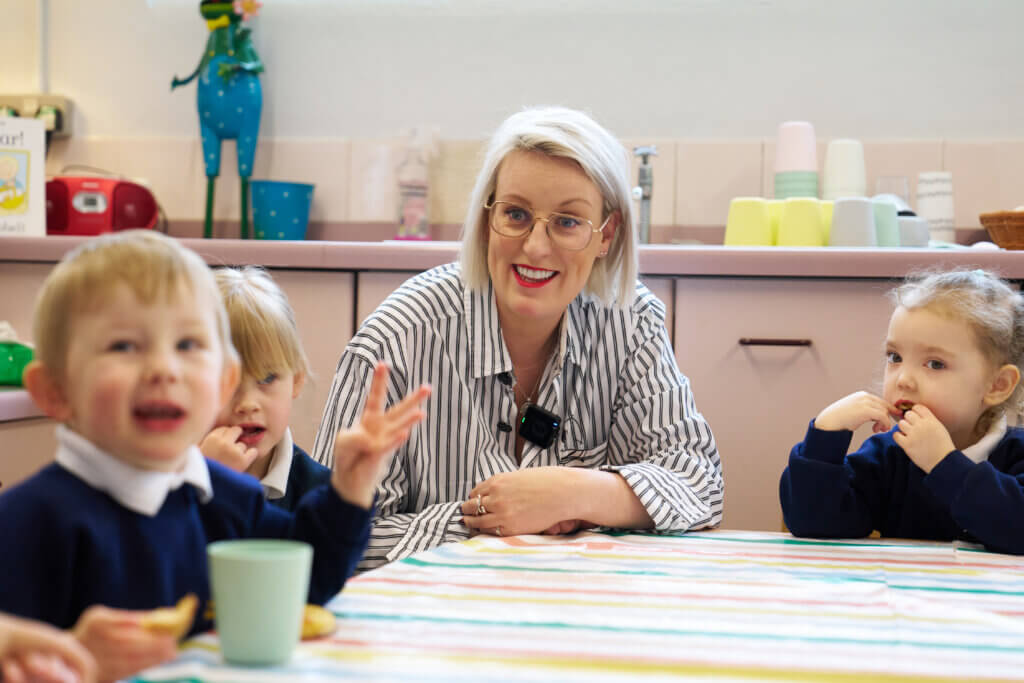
point(655, 259)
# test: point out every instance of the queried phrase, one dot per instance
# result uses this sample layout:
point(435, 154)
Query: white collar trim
point(139, 490)
point(980, 451)
point(275, 482)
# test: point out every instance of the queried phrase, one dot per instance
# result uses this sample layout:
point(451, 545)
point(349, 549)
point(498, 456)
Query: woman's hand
point(33, 652)
point(222, 445)
point(529, 501)
point(925, 440)
point(120, 644)
point(569, 526)
point(362, 452)
point(850, 412)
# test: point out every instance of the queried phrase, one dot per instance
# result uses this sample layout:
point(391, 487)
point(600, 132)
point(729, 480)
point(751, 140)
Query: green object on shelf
point(13, 359)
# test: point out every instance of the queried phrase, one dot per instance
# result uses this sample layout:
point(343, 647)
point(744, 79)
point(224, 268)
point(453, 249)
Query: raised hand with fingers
point(119, 642)
point(850, 412)
point(925, 440)
point(362, 452)
point(222, 445)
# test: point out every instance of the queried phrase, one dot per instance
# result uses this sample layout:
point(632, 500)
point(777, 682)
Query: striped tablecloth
point(718, 605)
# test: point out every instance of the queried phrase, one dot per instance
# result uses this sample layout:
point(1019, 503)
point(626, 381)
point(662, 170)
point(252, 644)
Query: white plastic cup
point(844, 174)
point(935, 202)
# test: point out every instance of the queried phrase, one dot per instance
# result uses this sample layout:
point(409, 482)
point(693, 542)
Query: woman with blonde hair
point(558, 402)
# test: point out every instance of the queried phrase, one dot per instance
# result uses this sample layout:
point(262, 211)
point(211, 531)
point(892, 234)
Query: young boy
point(134, 358)
point(251, 433)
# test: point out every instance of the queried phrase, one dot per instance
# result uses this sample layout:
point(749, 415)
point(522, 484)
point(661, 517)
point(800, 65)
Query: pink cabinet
point(806, 342)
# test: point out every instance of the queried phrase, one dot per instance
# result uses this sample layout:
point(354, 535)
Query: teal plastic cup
point(280, 210)
point(260, 587)
point(887, 229)
point(796, 184)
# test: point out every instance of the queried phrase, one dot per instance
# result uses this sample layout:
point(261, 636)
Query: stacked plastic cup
point(796, 161)
point(844, 174)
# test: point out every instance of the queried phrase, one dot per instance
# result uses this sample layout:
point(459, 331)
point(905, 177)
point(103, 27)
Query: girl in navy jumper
point(251, 433)
point(942, 464)
point(134, 359)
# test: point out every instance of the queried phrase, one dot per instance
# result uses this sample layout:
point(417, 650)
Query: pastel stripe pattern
point(716, 605)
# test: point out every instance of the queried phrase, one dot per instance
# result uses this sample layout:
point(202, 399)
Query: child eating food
point(950, 468)
point(251, 433)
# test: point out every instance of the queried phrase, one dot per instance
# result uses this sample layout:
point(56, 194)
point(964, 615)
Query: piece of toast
point(904, 406)
point(174, 621)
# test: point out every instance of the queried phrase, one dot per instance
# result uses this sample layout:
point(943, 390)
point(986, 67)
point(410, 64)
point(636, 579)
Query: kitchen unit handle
point(754, 341)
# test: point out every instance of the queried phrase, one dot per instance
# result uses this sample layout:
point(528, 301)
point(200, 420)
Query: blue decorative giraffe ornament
point(229, 98)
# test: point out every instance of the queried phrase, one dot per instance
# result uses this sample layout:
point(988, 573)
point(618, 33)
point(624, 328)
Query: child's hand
point(362, 452)
point(39, 653)
point(850, 412)
point(925, 440)
point(120, 644)
point(222, 445)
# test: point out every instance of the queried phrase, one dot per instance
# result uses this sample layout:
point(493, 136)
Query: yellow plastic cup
point(748, 223)
point(800, 223)
point(775, 214)
point(826, 218)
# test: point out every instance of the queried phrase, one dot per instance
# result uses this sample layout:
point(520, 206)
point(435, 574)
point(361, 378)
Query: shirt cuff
point(672, 505)
point(429, 529)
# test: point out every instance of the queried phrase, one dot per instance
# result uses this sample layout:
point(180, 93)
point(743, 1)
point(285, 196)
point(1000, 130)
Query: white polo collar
point(275, 482)
point(980, 451)
point(139, 490)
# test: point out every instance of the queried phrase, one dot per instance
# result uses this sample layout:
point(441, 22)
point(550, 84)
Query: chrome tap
point(643, 190)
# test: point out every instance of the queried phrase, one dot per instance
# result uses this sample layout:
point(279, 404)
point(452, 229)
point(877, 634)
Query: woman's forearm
point(605, 499)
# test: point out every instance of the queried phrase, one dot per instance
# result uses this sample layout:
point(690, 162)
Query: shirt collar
point(275, 481)
point(139, 490)
point(980, 451)
point(490, 356)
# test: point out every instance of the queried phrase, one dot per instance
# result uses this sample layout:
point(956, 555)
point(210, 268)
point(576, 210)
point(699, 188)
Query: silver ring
point(497, 530)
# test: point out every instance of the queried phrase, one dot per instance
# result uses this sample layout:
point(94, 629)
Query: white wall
point(656, 68)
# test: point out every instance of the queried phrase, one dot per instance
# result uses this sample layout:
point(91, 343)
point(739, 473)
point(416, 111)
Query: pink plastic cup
point(796, 147)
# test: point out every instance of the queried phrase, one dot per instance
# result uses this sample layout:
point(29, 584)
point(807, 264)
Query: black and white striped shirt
point(625, 408)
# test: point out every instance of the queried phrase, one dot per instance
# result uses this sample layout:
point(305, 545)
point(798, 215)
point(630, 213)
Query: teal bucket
point(280, 210)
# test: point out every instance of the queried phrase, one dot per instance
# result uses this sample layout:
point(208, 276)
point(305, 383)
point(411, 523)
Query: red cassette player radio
point(90, 205)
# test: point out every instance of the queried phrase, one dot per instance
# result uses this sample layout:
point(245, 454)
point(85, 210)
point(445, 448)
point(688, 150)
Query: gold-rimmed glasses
point(566, 231)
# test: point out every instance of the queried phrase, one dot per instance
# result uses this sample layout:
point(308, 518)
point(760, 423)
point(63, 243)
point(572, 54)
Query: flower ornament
point(247, 8)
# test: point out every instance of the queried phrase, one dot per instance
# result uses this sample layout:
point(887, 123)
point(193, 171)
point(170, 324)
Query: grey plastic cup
point(853, 223)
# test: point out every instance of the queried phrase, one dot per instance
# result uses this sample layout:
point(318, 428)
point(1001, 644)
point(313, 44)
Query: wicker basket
point(1006, 228)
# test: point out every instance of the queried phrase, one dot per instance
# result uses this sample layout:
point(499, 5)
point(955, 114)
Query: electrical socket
point(55, 110)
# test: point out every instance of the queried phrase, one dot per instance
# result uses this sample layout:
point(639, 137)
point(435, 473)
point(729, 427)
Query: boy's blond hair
point(263, 327)
point(151, 264)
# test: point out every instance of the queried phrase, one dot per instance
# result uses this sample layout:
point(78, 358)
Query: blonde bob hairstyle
point(263, 327)
point(570, 134)
point(153, 266)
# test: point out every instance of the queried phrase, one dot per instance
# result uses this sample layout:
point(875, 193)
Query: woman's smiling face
point(534, 281)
